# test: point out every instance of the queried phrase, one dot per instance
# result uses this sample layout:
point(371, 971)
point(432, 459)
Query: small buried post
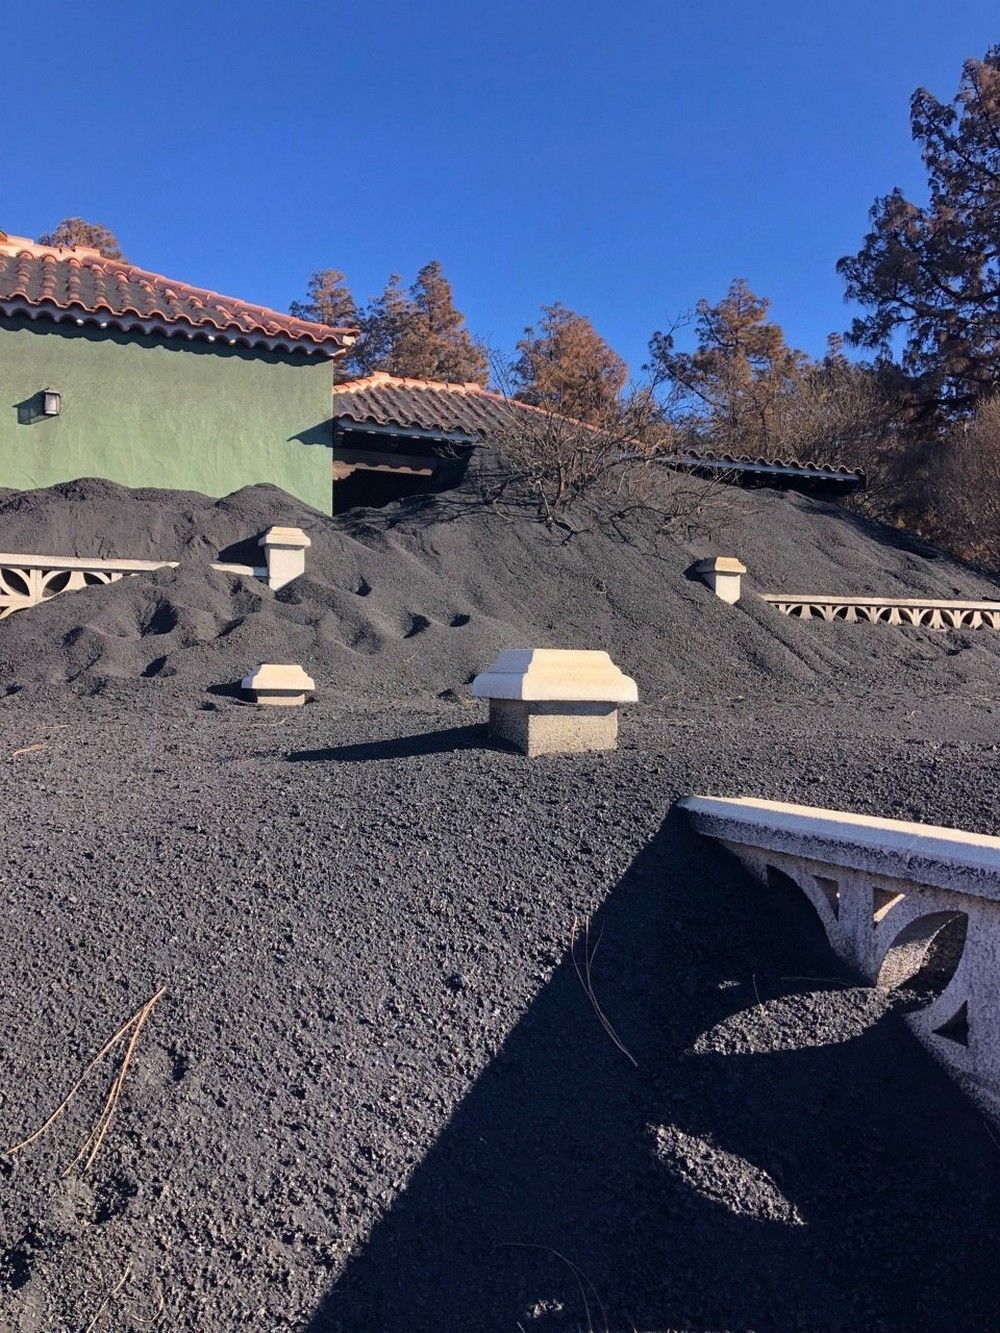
point(278, 683)
point(285, 554)
point(555, 700)
point(722, 573)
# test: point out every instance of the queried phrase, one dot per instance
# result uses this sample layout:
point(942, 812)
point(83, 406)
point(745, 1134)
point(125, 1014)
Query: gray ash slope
point(375, 1095)
point(414, 599)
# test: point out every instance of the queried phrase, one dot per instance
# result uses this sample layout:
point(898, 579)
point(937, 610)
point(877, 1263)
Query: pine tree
point(419, 333)
point(329, 301)
point(382, 323)
point(77, 231)
point(932, 273)
point(565, 366)
point(733, 385)
point(449, 350)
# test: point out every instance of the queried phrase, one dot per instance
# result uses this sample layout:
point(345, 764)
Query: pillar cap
point(720, 564)
point(571, 675)
point(278, 676)
point(285, 537)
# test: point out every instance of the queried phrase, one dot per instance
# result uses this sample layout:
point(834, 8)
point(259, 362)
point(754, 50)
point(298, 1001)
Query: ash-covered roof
point(768, 467)
point(392, 403)
point(76, 284)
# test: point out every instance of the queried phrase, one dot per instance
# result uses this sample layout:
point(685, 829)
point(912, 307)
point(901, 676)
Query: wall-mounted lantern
point(51, 403)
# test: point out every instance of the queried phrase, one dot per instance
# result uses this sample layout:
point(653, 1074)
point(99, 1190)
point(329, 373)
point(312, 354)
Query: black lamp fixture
point(52, 402)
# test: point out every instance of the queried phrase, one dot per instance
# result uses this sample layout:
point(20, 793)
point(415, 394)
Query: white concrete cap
point(721, 564)
point(278, 677)
point(285, 537)
point(568, 674)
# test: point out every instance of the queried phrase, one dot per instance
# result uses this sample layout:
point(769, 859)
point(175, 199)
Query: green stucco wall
point(157, 412)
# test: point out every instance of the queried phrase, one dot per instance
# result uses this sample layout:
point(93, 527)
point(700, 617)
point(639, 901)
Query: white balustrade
point(891, 896)
point(924, 612)
point(26, 580)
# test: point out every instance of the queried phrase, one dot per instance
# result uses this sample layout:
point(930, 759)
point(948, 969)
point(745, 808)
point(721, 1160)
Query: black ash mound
point(94, 517)
point(413, 599)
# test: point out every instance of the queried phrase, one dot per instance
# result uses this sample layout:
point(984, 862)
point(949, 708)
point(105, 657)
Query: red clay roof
point(79, 285)
point(425, 405)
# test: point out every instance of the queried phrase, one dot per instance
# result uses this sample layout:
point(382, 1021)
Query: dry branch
point(100, 1128)
point(580, 1277)
point(578, 476)
point(108, 1298)
point(586, 981)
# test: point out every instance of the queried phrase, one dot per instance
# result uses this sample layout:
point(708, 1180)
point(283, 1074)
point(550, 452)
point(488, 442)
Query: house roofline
point(48, 282)
point(131, 322)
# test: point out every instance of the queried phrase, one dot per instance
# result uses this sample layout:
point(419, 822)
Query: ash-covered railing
point(906, 904)
point(928, 613)
point(26, 580)
point(724, 575)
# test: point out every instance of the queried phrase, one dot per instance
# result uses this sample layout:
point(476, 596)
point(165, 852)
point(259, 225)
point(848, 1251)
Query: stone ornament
point(555, 700)
point(884, 890)
point(278, 683)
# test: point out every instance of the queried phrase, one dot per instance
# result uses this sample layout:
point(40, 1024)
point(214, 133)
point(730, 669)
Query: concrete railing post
point(722, 573)
point(554, 700)
point(282, 683)
point(285, 554)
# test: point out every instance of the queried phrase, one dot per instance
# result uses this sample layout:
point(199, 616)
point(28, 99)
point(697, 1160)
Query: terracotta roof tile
point(743, 463)
point(79, 284)
point(426, 405)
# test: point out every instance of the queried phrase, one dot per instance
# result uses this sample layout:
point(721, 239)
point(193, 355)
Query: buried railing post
point(285, 553)
point(283, 683)
point(554, 700)
point(722, 573)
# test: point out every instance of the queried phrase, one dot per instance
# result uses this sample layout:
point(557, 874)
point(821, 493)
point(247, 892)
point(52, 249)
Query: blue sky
point(624, 158)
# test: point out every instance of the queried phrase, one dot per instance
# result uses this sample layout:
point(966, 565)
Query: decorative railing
point(724, 574)
point(905, 904)
point(26, 580)
point(927, 613)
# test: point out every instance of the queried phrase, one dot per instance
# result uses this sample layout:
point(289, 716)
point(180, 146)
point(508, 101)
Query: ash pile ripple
point(414, 599)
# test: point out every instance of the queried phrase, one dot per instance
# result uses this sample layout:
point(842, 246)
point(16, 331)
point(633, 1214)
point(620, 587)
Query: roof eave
point(369, 427)
point(224, 336)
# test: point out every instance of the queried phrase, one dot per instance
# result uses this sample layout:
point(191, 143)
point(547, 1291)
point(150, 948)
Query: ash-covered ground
point(375, 1095)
